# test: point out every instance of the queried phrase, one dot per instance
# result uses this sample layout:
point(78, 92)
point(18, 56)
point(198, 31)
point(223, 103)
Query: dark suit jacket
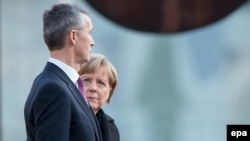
point(109, 130)
point(56, 111)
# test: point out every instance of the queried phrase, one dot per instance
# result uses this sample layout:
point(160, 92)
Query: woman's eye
point(86, 81)
point(101, 84)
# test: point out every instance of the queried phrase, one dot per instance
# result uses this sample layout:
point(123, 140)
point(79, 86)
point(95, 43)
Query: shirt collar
point(70, 72)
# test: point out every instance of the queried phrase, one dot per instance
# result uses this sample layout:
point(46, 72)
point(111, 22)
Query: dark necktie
point(80, 87)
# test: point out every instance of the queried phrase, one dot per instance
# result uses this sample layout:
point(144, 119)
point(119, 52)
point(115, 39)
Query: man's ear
point(73, 36)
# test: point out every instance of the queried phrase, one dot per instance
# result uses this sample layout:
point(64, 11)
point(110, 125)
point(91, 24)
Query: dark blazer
point(109, 129)
point(56, 111)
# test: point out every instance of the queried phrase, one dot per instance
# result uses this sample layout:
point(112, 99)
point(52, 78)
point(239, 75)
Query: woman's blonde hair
point(95, 62)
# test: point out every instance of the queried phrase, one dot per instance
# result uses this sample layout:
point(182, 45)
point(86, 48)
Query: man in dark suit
point(55, 109)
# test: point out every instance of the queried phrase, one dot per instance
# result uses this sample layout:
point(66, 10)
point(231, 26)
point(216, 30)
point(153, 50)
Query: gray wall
point(185, 86)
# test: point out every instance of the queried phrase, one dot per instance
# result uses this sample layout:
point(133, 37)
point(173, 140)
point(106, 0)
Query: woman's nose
point(92, 87)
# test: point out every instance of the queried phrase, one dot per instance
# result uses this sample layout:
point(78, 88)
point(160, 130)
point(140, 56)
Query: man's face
point(84, 41)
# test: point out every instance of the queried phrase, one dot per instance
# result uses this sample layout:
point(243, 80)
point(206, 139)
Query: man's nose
point(92, 42)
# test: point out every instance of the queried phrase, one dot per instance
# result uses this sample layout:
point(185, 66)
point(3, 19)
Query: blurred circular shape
point(165, 16)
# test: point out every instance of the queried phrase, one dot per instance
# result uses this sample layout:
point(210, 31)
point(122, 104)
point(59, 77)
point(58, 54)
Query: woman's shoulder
point(108, 117)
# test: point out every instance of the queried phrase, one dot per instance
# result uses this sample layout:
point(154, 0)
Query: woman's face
point(96, 88)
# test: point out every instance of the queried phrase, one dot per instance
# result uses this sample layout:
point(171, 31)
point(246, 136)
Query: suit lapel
point(76, 93)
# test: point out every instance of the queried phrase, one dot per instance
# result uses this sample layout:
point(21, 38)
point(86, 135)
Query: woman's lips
point(91, 98)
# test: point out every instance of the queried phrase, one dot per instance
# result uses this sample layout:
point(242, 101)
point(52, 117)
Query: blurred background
point(172, 87)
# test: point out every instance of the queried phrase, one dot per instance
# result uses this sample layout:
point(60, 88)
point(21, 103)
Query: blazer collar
point(77, 95)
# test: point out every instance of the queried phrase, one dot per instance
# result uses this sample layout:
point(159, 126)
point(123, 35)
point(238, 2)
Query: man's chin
point(85, 60)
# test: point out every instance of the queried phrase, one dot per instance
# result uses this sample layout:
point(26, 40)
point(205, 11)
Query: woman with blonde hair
point(100, 80)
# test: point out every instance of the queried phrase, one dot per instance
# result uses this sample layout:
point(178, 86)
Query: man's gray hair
point(59, 21)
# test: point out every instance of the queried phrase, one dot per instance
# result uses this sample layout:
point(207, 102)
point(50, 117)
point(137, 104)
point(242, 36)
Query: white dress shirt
point(70, 72)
